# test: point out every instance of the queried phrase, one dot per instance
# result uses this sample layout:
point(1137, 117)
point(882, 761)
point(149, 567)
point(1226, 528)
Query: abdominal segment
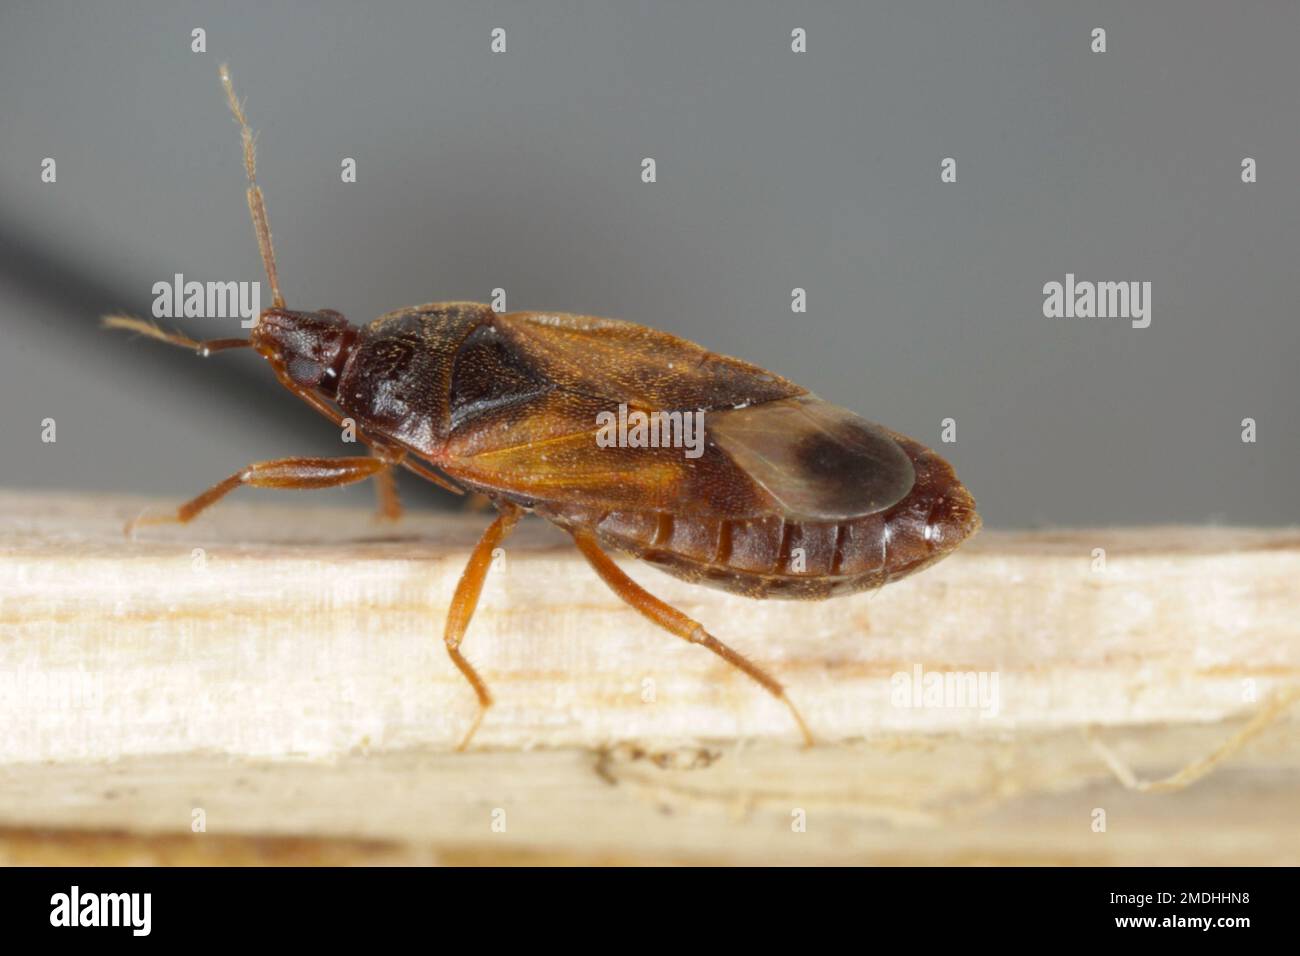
point(779, 556)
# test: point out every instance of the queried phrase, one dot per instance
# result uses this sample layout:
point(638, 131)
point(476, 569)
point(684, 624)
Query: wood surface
point(276, 671)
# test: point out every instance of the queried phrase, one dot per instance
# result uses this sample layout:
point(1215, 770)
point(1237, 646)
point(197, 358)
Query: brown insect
point(789, 496)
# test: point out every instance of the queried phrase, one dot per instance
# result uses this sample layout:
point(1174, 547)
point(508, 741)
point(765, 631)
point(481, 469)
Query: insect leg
point(389, 501)
point(278, 473)
point(466, 600)
point(674, 621)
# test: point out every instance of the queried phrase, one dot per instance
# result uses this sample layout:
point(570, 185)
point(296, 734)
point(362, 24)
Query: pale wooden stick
point(274, 649)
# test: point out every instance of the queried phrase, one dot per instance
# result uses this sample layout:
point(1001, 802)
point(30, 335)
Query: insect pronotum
point(786, 496)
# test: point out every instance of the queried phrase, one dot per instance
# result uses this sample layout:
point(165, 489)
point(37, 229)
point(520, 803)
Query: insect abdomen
point(782, 558)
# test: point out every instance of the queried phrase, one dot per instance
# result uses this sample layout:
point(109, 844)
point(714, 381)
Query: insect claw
point(128, 529)
point(808, 740)
point(145, 518)
point(473, 729)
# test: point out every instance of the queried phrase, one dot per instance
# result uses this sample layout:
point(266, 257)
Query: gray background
point(776, 170)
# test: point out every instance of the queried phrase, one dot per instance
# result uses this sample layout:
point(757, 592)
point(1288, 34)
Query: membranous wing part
point(817, 461)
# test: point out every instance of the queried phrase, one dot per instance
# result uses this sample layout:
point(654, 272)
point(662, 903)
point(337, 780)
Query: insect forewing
point(770, 449)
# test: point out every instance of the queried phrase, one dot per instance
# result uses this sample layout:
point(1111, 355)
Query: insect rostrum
point(791, 497)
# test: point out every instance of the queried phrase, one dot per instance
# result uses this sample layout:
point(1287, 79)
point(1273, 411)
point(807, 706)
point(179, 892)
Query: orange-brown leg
point(279, 473)
point(465, 601)
point(674, 621)
point(388, 501)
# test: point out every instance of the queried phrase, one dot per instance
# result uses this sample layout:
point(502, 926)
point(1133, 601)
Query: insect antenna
point(256, 203)
point(132, 324)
